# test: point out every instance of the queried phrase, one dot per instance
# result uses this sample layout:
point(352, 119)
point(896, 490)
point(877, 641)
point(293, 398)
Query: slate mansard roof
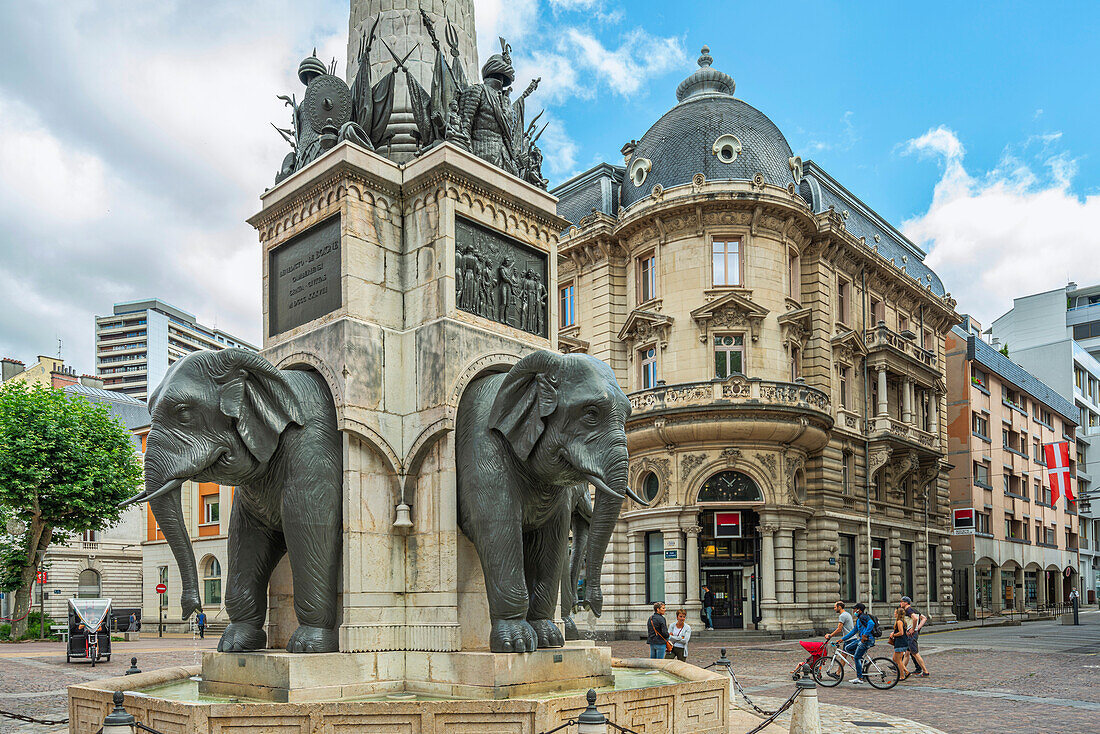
point(985, 355)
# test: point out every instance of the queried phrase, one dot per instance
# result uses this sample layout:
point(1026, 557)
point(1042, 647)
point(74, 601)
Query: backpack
point(876, 631)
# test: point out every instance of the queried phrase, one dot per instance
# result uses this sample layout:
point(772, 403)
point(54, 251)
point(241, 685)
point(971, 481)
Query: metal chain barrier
point(726, 663)
point(775, 714)
point(32, 720)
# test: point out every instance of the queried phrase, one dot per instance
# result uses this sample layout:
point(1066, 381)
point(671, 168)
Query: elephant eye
point(592, 415)
point(183, 414)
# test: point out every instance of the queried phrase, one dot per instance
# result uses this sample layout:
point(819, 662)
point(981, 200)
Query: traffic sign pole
point(161, 589)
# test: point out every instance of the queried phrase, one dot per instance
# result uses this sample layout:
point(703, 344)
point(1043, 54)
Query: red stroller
point(817, 651)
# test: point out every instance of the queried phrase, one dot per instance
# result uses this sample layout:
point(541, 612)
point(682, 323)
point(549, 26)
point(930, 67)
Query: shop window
point(933, 574)
point(878, 571)
point(730, 486)
point(847, 567)
point(907, 569)
point(729, 355)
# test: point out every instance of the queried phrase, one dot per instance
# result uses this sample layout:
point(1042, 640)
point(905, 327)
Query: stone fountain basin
point(653, 696)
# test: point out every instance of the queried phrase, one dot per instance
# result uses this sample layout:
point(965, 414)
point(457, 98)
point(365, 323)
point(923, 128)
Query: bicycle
point(881, 673)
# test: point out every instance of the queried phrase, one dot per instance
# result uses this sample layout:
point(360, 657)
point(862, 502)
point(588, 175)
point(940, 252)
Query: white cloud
point(1014, 230)
point(638, 58)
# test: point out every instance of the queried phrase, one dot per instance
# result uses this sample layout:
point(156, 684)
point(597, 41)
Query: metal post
point(1076, 599)
point(42, 606)
point(160, 631)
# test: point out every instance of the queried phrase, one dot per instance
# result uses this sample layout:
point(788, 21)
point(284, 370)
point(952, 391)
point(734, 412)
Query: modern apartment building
point(206, 511)
point(1056, 336)
point(1013, 548)
point(781, 345)
point(137, 343)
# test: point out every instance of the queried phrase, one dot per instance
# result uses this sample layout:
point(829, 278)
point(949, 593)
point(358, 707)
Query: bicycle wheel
point(828, 672)
point(882, 673)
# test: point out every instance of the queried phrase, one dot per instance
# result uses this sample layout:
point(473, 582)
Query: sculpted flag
point(1057, 455)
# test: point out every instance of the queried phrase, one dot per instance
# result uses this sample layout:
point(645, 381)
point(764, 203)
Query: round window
point(727, 148)
point(651, 485)
point(727, 153)
point(639, 169)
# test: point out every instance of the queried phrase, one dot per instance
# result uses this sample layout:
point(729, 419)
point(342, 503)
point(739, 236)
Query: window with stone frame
point(846, 565)
point(846, 473)
point(567, 306)
point(729, 355)
point(906, 557)
point(844, 383)
point(878, 571)
point(654, 567)
point(796, 362)
point(843, 300)
point(794, 275)
point(647, 363)
point(647, 277)
point(933, 574)
point(726, 262)
point(878, 311)
point(162, 576)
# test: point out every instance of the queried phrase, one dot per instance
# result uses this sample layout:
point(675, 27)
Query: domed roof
point(710, 132)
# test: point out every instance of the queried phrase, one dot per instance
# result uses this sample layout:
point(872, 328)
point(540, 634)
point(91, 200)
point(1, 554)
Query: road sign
point(670, 554)
point(162, 589)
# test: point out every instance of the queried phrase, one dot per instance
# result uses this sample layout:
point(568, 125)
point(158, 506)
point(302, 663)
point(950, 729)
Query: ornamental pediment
point(730, 311)
point(847, 346)
point(796, 326)
point(642, 326)
point(570, 344)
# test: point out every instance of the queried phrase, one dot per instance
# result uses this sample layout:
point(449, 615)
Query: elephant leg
point(498, 542)
point(311, 523)
point(254, 551)
point(543, 557)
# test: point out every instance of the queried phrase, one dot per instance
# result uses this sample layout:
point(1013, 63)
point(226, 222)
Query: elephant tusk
point(598, 484)
point(144, 495)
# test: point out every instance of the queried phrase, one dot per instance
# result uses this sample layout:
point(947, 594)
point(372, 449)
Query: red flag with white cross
point(1058, 474)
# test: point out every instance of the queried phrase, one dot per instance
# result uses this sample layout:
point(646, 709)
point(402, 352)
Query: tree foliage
point(65, 465)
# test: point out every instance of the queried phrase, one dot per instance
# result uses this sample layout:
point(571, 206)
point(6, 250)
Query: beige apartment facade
point(782, 349)
point(1020, 552)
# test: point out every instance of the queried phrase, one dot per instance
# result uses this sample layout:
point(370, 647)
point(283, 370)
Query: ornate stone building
point(782, 347)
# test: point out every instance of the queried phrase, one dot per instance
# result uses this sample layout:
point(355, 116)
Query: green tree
point(65, 464)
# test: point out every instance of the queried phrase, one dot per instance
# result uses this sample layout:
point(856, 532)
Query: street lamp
point(591, 721)
point(118, 721)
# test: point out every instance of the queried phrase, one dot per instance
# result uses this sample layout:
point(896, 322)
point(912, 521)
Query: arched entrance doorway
point(729, 547)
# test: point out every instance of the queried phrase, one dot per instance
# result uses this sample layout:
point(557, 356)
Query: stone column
point(691, 558)
point(784, 566)
point(1020, 593)
point(882, 407)
point(907, 401)
point(997, 599)
point(401, 26)
point(934, 414)
point(635, 562)
point(767, 572)
point(801, 571)
point(1041, 587)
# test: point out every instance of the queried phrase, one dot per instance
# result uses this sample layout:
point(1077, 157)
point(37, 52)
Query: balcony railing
point(880, 336)
point(885, 425)
point(736, 390)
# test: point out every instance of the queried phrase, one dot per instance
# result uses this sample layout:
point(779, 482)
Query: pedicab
point(89, 635)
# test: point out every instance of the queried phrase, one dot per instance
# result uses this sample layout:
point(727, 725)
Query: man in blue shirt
point(862, 637)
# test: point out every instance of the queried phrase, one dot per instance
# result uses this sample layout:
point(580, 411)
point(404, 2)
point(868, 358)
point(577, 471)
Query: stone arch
point(308, 361)
point(700, 476)
point(485, 364)
point(716, 469)
point(89, 584)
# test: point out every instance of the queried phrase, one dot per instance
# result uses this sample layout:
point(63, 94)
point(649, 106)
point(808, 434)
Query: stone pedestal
point(285, 677)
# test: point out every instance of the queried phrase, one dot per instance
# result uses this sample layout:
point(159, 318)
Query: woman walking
point(899, 636)
point(679, 634)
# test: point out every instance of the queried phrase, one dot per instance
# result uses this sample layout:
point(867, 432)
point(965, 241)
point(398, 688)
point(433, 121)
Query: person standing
point(133, 622)
point(899, 636)
point(708, 607)
point(200, 620)
point(863, 636)
point(919, 620)
point(680, 633)
point(657, 630)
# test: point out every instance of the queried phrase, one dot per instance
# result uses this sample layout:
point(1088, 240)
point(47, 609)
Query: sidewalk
point(834, 720)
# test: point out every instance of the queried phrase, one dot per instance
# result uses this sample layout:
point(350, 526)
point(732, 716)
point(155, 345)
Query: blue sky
point(134, 137)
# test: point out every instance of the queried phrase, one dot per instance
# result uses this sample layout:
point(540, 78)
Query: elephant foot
point(313, 639)
point(240, 637)
point(571, 631)
point(547, 632)
point(512, 635)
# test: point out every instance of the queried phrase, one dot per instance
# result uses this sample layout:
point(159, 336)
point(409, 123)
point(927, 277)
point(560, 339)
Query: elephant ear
point(259, 399)
point(528, 395)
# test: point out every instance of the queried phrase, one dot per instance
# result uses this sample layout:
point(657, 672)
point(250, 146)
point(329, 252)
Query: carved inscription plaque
point(499, 278)
point(304, 277)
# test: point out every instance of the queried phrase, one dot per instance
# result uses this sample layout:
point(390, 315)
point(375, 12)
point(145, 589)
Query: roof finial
point(706, 59)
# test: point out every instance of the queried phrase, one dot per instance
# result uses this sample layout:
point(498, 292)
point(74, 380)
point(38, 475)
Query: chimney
point(90, 381)
point(9, 368)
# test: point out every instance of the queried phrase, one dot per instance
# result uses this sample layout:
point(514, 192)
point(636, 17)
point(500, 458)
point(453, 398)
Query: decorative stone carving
point(769, 461)
point(731, 455)
point(848, 347)
point(795, 495)
point(732, 310)
point(689, 463)
point(897, 471)
point(500, 279)
point(877, 458)
point(693, 530)
point(644, 326)
point(570, 345)
point(795, 326)
point(769, 529)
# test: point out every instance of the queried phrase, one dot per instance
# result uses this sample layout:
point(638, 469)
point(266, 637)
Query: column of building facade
point(801, 569)
point(691, 556)
point(907, 400)
point(1020, 592)
point(881, 408)
point(996, 600)
point(767, 571)
point(1041, 587)
point(784, 565)
point(635, 569)
point(675, 595)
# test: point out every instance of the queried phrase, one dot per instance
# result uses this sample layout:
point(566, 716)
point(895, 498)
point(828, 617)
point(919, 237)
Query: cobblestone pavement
point(34, 676)
point(979, 681)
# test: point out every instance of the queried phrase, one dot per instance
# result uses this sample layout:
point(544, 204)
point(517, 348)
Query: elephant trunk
point(165, 500)
point(605, 513)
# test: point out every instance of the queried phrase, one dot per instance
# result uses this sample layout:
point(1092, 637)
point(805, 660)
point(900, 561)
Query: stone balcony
point(737, 408)
point(885, 427)
point(898, 349)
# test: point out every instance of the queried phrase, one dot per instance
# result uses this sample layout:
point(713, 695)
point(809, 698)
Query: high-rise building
point(1015, 545)
point(137, 343)
point(1041, 318)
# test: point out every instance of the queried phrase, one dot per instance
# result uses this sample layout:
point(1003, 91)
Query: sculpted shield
point(327, 98)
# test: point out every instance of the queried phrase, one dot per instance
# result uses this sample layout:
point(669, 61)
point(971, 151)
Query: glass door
point(728, 599)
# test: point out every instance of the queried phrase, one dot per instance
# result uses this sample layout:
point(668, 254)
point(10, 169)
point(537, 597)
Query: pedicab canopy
point(92, 612)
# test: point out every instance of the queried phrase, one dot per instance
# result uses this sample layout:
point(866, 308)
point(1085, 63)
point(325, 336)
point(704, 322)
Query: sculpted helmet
point(311, 68)
point(498, 66)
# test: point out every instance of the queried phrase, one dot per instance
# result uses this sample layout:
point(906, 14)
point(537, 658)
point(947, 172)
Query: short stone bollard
point(805, 716)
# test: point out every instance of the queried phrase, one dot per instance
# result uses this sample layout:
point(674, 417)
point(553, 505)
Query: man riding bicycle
point(862, 639)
